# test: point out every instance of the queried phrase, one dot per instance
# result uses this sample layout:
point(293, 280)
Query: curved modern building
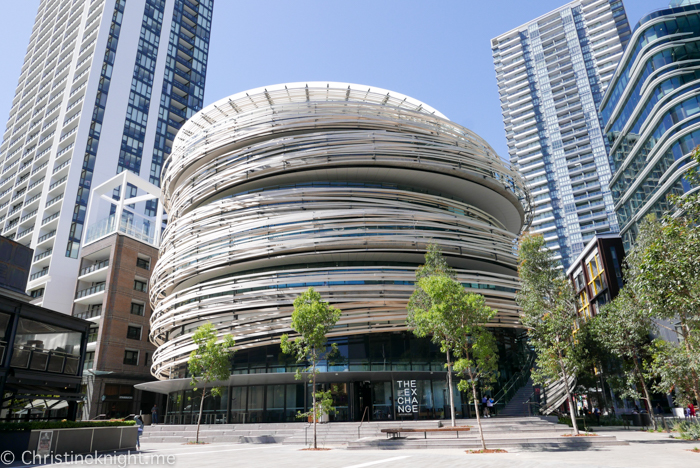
point(336, 186)
point(651, 113)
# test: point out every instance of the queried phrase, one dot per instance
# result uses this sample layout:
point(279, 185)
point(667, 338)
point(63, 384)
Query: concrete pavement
point(645, 450)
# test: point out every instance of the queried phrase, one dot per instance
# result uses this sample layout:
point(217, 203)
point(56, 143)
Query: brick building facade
point(112, 293)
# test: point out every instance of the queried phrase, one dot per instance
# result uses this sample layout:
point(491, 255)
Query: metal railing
point(518, 380)
point(90, 291)
point(97, 266)
point(96, 312)
point(362, 421)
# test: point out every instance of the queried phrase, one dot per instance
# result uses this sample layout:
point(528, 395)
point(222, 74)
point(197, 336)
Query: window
point(133, 333)
point(140, 285)
point(89, 360)
point(37, 292)
point(131, 357)
point(143, 263)
point(595, 270)
point(137, 309)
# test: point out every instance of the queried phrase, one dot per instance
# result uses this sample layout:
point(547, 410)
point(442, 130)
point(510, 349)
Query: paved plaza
point(644, 450)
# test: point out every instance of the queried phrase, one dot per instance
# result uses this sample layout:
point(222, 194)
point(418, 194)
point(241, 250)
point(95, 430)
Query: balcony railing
point(38, 274)
point(43, 255)
point(90, 291)
point(96, 312)
point(46, 236)
point(95, 267)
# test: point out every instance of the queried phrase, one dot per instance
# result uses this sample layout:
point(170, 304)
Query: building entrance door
point(363, 401)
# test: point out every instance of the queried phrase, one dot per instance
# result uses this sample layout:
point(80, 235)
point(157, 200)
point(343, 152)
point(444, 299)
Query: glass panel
point(39, 335)
point(382, 401)
point(39, 360)
point(275, 403)
point(340, 402)
point(294, 402)
point(256, 402)
point(238, 404)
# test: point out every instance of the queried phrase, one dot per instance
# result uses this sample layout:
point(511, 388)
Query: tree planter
point(71, 440)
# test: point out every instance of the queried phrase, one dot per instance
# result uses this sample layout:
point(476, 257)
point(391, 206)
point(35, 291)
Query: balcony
point(94, 313)
point(43, 255)
point(39, 274)
point(95, 273)
point(93, 295)
point(138, 228)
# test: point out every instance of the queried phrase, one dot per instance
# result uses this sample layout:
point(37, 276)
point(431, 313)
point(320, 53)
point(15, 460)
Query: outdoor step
point(551, 442)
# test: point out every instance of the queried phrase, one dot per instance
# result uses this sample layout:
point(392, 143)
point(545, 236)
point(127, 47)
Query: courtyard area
point(644, 450)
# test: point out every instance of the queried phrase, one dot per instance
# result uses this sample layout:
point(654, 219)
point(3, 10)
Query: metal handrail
point(362, 420)
point(524, 372)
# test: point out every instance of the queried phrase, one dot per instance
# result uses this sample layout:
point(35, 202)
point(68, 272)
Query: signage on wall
point(406, 397)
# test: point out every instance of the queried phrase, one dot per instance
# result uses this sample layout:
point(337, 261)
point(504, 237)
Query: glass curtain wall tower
point(135, 67)
point(651, 114)
point(552, 73)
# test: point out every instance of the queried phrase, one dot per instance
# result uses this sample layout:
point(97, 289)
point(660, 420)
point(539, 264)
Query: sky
point(436, 51)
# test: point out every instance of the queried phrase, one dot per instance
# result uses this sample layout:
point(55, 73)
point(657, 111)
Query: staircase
point(518, 405)
point(513, 432)
point(506, 433)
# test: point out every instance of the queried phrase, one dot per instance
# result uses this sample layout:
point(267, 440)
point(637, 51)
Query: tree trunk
point(313, 402)
point(646, 392)
point(199, 420)
point(478, 417)
point(449, 389)
point(572, 412)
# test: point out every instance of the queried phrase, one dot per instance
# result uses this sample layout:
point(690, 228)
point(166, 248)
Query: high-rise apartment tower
point(104, 87)
point(552, 73)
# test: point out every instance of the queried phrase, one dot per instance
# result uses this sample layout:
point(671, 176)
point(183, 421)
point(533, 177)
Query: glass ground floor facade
point(383, 376)
point(378, 397)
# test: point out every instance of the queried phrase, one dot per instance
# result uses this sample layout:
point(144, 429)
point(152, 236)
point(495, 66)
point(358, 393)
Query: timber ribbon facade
point(337, 186)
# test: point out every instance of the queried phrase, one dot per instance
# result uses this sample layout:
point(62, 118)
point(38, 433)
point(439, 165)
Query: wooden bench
point(395, 432)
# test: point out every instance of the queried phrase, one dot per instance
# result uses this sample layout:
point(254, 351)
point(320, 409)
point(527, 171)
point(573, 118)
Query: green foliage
point(548, 312)
point(312, 319)
point(419, 318)
point(459, 318)
point(549, 309)
point(324, 405)
point(664, 273)
point(669, 365)
point(688, 430)
point(481, 363)
point(623, 326)
point(211, 361)
point(36, 425)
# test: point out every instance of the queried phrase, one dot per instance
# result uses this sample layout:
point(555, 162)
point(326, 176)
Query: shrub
point(688, 430)
point(36, 425)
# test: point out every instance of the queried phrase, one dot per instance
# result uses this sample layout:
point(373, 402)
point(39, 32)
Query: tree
point(549, 314)
point(312, 319)
point(664, 272)
point(669, 366)
point(461, 317)
point(420, 302)
point(210, 362)
point(623, 327)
